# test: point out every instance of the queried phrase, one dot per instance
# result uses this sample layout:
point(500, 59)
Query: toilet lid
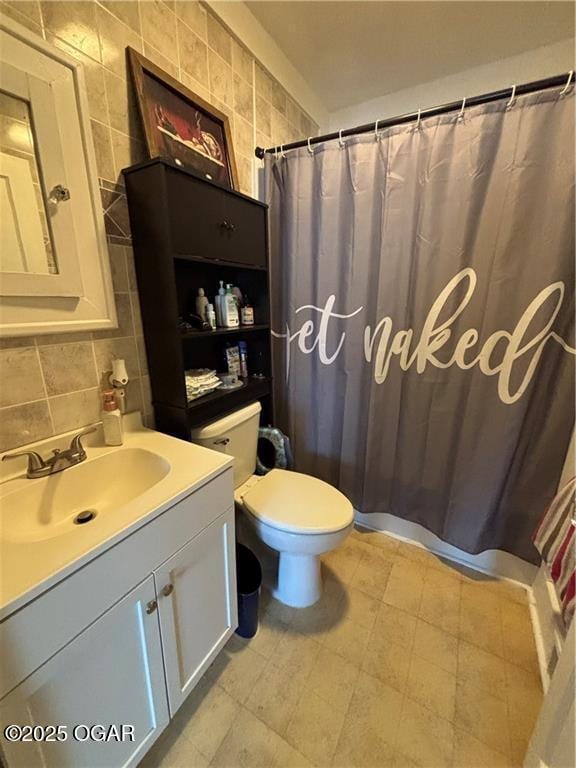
point(298, 503)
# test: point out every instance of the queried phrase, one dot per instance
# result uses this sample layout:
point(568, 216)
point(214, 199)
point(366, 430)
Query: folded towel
point(200, 381)
point(199, 374)
point(555, 539)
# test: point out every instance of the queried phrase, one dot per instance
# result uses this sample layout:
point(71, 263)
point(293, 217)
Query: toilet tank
point(235, 435)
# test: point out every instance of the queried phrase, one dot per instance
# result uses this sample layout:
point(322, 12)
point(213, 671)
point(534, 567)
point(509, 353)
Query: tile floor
point(406, 661)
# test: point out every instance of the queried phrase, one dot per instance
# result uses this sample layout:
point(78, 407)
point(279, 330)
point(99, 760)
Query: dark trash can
point(248, 582)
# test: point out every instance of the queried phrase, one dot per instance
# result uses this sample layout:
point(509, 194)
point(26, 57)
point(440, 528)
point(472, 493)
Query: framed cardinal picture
point(180, 126)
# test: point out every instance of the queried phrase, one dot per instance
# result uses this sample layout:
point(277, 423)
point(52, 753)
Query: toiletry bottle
point(211, 316)
point(111, 419)
point(230, 317)
point(201, 303)
point(237, 293)
point(247, 313)
point(243, 352)
point(219, 301)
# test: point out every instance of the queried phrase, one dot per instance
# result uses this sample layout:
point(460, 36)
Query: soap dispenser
point(111, 419)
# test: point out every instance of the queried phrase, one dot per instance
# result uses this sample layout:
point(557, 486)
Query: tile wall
point(49, 384)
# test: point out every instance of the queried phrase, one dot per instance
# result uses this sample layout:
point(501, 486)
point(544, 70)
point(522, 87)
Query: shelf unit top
point(160, 161)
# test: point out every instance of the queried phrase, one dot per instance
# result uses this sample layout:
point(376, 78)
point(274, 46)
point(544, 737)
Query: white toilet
point(299, 516)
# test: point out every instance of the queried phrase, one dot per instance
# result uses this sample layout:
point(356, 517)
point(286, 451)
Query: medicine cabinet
point(54, 266)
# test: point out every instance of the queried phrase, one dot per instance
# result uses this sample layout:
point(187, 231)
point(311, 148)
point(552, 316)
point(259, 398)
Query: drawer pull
point(168, 589)
point(151, 606)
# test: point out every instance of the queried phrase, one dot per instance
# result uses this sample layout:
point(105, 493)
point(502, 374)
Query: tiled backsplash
point(50, 384)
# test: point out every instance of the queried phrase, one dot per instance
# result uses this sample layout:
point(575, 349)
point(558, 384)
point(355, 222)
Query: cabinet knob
point(60, 194)
point(151, 606)
point(231, 227)
point(168, 589)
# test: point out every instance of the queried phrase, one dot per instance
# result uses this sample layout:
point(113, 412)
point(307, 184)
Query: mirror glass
point(25, 239)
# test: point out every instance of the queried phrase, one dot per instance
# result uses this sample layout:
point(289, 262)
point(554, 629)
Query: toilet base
point(299, 580)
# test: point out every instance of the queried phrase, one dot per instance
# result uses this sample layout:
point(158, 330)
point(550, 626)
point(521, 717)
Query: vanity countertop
point(126, 486)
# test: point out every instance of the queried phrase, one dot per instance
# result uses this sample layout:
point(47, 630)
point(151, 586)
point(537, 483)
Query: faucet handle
point(76, 446)
point(35, 461)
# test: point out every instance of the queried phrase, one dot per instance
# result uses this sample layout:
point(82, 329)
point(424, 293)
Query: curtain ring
point(512, 98)
point(376, 137)
point(275, 153)
point(282, 150)
point(417, 126)
point(461, 113)
point(566, 88)
point(340, 142)
point(309, 146)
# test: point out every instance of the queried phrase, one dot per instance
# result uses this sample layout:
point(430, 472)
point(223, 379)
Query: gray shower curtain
point(423, 316)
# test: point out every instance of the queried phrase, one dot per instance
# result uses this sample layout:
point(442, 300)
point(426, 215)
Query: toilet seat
point(298, 503)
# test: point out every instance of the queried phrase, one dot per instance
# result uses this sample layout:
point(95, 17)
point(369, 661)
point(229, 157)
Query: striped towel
point(555, 540)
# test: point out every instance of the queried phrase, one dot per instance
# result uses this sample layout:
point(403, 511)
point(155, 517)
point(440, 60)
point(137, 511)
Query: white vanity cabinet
point(110, 674)
point(197, 605)
point(124, 639)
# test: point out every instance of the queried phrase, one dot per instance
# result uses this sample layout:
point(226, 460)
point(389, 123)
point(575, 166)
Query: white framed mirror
point(54, 268)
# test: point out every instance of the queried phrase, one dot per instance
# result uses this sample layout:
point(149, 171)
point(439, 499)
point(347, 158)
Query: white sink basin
point(41, 540)
point(94, 490)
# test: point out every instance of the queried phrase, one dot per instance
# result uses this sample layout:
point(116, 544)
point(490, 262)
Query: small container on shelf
point(218, 301)
point(230, 380)
point(243, 352)
point(232, 359)
point(247, 313)
point(211, 317)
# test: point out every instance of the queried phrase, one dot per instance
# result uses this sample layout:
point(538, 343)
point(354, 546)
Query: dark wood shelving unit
point(188, 234)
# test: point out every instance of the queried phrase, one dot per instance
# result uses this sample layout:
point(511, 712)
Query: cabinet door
point(111, 674)
point(39, 97)
point(196, 217)
point(246, 232)
point(197, 603)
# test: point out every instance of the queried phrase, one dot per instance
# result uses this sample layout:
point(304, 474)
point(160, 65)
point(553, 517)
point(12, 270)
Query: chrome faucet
point(38, 467)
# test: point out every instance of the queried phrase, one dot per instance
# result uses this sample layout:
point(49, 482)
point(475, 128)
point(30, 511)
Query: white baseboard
point(493, 562)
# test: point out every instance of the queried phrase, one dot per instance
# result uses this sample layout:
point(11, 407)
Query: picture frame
point(181, 126)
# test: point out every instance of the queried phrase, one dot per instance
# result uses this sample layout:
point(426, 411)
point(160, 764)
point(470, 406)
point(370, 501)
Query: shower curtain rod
point(485, 98)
